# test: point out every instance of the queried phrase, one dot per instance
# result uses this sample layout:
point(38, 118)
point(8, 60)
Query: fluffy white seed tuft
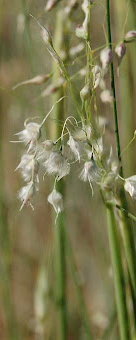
point(26, 193)
point(55, 199)
point(130, 186)
point(57, 165)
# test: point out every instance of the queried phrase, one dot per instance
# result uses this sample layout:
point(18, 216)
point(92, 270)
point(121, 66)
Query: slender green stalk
point(113, 89)
point(11, 332)
point(64, 244)
point(126, 230)
point(5, 273)
point(119, 283)
point(5, 259)
point(60, 261)
point(74, 273)
point(60, 272)
point(125, 82)
point(127, 213)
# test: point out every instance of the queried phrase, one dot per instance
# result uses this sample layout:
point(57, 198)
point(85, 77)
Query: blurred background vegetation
point(27, 280)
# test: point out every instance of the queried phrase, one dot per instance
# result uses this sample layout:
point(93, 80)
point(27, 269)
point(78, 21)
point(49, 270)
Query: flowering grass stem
point(60, 258)
point(113, 89)
point(7, 311)
point(127, 213)
point(60, 272)
point(126, 226)
point(125, 82)
point(118, 274)
point(75, 277)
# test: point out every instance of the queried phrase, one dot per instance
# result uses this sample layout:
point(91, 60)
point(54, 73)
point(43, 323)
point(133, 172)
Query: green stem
point(127, 213)
point(6, 289)
point(60, 271)
point(113, 89)
point(119, 284)
point(127, 228)
point(123, 21)
point(131, 141)
point(74, 273)
point(60, 260)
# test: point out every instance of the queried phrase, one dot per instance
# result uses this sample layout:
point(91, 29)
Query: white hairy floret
point(90, 172)
point(55, 199)
point(30, 134)
point(112, 163)
point(106, 57)
point(29, 167)
point(75, 147)
point(85, 92)
point(26, 193)
point(130, 36)
point(79, 135)
point(82, 31)
point(88, 130)
point(130, 186)
point(98, 80)
point(98, 148)
point(44, 150)
point(120, 50)
point(57, 165)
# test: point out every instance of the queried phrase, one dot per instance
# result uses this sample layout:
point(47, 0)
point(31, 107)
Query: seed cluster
point(81, 141)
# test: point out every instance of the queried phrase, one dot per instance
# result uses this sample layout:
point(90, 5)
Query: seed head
point(81, 32)
point(80, 135)
point(57, 165)
point(30, 134)
point(130, 36)
point(75, 148)
point(120, 50)
point(29, 167)
point(106, 57)
point(98, 80)
point(98, 148)
point(130, 186)
point(55, 199)
point(85, 92)
point(44, 150)
point(26, 193)
point(90, 172)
